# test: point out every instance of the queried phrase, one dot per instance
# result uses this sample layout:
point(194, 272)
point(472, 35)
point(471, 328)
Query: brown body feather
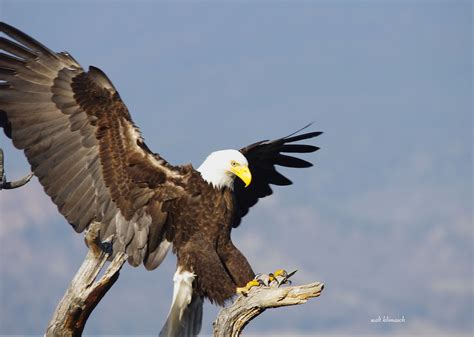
point(201, 239)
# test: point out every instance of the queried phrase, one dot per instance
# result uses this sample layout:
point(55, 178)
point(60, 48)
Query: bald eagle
point(91, 159)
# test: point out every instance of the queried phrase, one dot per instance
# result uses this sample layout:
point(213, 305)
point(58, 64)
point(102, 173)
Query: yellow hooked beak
point(243, 172)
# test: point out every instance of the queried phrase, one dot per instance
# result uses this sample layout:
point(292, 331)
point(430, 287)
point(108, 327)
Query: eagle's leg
point(237, 265)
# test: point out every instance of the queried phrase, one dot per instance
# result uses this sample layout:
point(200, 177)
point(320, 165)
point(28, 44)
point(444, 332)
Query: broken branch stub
point(8, 185)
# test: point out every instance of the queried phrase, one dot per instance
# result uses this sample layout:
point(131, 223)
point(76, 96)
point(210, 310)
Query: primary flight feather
point(83, 146)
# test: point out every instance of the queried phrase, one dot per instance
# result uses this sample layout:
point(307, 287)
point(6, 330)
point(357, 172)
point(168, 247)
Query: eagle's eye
point(233, 163)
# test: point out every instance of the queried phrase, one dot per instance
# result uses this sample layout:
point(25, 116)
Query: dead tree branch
point(8, 185)
point(84, 293)
point(232, 320)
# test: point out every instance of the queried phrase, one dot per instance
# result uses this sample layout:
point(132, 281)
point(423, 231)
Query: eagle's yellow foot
point(280, 277)
point(244, 290)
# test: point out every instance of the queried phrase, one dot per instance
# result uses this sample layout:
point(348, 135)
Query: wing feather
point(77, 199)
point(277, 178)
point(14, 48)
point(298, 148)
point(80, 140)
point(84, 195)
point(262, 157)
point(11, 95)
point(10, 62)
point(289, 161)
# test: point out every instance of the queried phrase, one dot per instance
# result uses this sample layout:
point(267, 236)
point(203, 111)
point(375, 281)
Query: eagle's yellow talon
point(280, 272)
point(248, 286)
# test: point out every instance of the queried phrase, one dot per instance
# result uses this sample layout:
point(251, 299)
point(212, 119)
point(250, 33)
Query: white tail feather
point(185, 316)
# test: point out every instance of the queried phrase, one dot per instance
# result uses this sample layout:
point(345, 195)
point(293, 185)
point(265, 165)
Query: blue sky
point(385, 216)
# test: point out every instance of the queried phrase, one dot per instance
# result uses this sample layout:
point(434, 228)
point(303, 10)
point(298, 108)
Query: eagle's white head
point(221, 167)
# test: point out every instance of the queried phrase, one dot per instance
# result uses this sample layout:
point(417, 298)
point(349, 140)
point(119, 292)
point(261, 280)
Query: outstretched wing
point(82, 145)
point(262, 157)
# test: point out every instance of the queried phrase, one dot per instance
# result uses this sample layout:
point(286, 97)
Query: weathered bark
point(8, 185)
point(84, 293)
point(231, 320)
